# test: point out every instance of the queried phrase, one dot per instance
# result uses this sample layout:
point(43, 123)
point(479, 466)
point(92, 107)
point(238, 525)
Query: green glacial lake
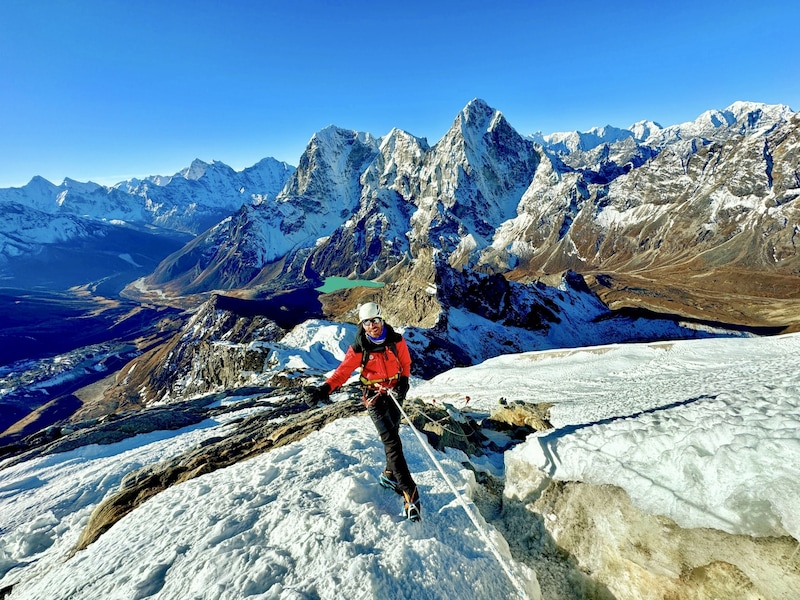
point(333, 284)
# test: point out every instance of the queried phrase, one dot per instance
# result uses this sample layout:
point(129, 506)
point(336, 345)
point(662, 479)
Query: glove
point(402, 388)
point(319, 394)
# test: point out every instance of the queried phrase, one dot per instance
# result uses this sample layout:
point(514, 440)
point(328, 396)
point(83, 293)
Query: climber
point(382, 355)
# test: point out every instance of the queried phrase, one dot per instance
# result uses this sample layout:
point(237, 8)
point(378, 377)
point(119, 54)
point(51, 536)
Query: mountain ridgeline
point(55, 237)
point(699, 219)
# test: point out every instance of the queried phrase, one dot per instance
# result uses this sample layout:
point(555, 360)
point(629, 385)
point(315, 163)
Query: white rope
point(513, 578)
point(434, 421)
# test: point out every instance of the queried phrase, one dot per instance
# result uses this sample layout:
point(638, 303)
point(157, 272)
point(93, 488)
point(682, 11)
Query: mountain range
point(74, 234)
point(692, 223)
point(697, 219)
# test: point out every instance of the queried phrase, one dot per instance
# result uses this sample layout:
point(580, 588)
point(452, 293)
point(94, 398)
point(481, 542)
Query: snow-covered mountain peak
point(194, 171)
point(189, 202)
point(475, 121)
point(332, 138)
point(199, 169)
point(477, 127)
point(715, 118)
point(401, 141)
point(268, 163)
point(567, 142)
point(39, 182)
point(331, 165)
point(740, 118)
point(87, 187)
point(399, 137)
point(742, 110)
point(477, 114)
point(644, 129)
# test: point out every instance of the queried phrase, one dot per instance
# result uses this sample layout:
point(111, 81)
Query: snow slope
point(703, 431)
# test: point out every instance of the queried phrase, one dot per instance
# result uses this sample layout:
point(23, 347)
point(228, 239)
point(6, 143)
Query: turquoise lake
point(333, 284)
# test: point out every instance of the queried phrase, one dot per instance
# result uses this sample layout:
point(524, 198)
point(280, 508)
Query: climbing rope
point(380, 390)
point(492, 546)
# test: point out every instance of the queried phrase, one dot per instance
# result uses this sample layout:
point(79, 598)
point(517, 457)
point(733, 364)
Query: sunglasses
point(372, 321)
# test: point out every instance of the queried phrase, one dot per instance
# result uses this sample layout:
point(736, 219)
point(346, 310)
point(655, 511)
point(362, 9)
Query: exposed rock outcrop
point(632, 554)
point(111, 428)
point(521, 416)
point(218, 348)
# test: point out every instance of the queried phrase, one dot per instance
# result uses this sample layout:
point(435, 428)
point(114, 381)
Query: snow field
point(702, 431)
point(305, 520)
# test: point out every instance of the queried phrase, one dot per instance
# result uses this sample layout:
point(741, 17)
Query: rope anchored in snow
point(467, 509)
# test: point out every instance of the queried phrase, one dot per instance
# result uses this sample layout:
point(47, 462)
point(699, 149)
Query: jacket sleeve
point(350, 362)
point(404, 357)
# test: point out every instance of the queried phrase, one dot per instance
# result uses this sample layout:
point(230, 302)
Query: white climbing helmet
point(370, 310)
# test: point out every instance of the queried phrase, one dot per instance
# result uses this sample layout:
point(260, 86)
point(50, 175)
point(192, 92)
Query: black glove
point(319, 394)
point(402, 388)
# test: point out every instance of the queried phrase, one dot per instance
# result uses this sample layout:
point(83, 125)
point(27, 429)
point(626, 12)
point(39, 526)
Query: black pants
point(386, 416)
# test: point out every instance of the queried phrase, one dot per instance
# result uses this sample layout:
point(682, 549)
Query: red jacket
point(382, 365)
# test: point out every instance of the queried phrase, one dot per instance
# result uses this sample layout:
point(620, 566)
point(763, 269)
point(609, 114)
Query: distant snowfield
point(703, 431)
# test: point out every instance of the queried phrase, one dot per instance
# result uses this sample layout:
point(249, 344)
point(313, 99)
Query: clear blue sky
point(104, 90)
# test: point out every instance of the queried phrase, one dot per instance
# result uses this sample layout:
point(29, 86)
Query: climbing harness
point(377, 382)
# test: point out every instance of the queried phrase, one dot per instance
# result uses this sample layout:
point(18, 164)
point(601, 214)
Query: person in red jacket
point(382, 355)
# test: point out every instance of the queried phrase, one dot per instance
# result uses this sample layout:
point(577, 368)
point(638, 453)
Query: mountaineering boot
point(412, 506)
point(388, 480)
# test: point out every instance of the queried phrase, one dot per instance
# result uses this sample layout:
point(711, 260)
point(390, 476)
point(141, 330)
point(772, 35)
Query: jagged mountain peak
point(38, 183)
point(399, 137)
point(39, 180)
point(194, 171)
point(332, 137)
point(471, 181)
point(334, 149)
point(85, 187)
point(476, 113)
point(200, 168)
point(476, 120)
point(399, 154)
point(583, 141)
point(270, 162)
point(330, 167)
point(478, 126)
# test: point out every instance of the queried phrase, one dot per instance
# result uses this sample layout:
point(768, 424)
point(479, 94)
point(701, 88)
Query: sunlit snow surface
point(703, 431)
point(706, 432)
